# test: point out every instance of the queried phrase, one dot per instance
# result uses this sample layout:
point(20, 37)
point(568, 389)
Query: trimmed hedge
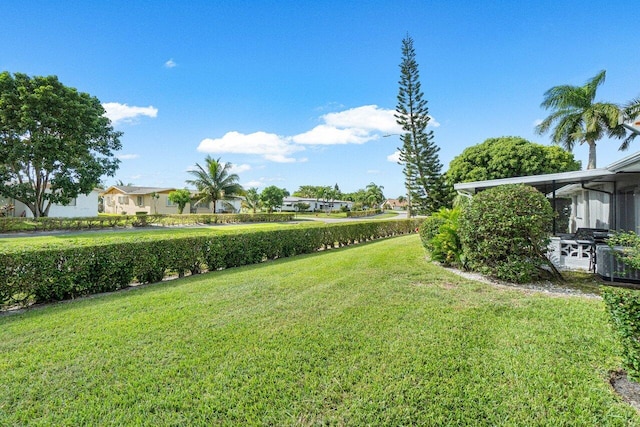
point(10, 224)
point(360, 214)
point(52, 274)
point(623, 306)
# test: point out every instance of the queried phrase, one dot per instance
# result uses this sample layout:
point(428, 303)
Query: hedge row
point(10, 224)
point(623, 306)
point(359, 214)
point(45, 275)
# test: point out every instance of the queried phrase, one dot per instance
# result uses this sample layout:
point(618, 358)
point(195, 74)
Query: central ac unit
point(610, 267)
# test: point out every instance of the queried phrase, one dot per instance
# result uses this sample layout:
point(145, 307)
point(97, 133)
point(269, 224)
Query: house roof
point(628, 164)
point(294, 199)
point(134, 190)
point(395, 202)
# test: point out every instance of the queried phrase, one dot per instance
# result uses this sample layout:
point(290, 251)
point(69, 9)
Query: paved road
point(319, 218)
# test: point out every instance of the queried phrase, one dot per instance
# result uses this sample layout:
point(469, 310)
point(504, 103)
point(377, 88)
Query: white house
point(81, 206)
point(291, 204)
point(599, 199)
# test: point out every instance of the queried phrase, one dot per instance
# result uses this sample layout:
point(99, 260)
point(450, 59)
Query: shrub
point(439, 234)
point(71, 269)
point(504, 233)
point(623, 306)
point(360, 214)
point(630, 241)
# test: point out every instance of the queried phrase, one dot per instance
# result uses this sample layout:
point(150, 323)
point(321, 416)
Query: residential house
point(291, 204)
point(81, 206)
point(395, 205)
point(122, 199)
point(596, 199)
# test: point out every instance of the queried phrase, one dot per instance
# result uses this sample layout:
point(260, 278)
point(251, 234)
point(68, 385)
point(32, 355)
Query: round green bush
point(504, 233)
point(439, 234)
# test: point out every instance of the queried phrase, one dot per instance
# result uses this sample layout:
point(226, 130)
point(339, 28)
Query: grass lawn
point(371, 334)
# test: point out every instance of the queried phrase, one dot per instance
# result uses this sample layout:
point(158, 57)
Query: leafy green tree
point(307, 191)
point(214, 182)
point(324, 194)
point(55, 142)
point(425, 185)
point(578, 119)
point(252, 199)
point(180, 198)
point(272, 197)
point(507, 157)
point(302, 207)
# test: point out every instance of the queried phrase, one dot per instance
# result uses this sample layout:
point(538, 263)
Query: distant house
point(122, 199)
point(81, 206)
point(395, 205)
point(291, 204)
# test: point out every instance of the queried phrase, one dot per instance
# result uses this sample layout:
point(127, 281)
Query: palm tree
point(630, 112)
point(252, 199)
point(214, 182)
point(374, 195)
point(578, 119)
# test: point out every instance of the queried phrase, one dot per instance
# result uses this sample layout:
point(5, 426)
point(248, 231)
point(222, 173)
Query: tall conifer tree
point(425, 185)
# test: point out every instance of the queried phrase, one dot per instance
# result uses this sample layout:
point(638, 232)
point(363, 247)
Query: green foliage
point(71, 269)
point(362, 214)
point(630, 254)
point(439, 234)
point(504, 233)
point(418, 154)
point(623, 305)
point(55, 142)
point(272, 197)
point(366, 336)
point(252, 200)
point(508, 157)
point(13, 224)
point(180, 198)
point(214, 182)
point(302, 207)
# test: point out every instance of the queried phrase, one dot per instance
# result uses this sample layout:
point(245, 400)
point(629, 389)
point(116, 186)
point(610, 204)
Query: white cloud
point(367, 117)
point(250, 184)
point(170, 63)
point(353, 126)
point(128, 156)
point(330, 135)
point(270, 146)
point(395, 157)
point(373, 171)
point(240, 168)
point(124, 113)
point(537, 122)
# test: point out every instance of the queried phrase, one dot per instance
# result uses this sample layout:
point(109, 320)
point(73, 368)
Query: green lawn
point(63, 239)
point(371, 334)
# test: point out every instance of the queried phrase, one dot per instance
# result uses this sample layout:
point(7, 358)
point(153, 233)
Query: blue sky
point(301, 92)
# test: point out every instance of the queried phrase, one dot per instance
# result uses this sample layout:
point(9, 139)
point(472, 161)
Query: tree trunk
point(592, 155)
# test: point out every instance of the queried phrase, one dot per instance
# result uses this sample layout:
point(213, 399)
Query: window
point(123, 200)
point(170, 203)
point(140, 201)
